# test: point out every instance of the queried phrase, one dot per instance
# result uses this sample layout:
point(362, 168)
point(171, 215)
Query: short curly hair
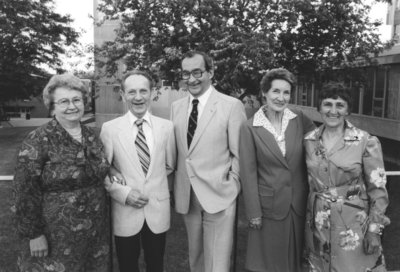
point(277, 73)
point(68, 81)
point(335, 90)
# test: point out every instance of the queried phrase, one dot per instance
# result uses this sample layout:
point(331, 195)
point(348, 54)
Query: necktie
point(192, 122)
point(141, 147)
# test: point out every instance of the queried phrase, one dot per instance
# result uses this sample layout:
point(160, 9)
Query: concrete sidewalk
point(36, 122)
point(33, 122)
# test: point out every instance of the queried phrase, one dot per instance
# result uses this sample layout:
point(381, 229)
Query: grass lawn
point(176, 259)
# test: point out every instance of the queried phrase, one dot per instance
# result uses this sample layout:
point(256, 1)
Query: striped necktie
point(141, 147)
point(192, 122)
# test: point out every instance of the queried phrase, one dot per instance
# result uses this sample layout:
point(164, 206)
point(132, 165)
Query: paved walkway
point(35, 122)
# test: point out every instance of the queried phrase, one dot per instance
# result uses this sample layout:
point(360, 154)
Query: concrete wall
point(107, 99)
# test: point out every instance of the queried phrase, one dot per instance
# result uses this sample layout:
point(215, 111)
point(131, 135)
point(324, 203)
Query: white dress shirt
point(202, 102)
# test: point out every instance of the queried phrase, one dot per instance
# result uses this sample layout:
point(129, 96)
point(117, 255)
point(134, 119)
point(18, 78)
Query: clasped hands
point(255, 223)
point(136, 199)
point(372, 243)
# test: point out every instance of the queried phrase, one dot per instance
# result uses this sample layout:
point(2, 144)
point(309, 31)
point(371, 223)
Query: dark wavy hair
point(335, 90)
point(208, 62)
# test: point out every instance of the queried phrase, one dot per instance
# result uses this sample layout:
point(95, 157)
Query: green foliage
point(79, 60)
point(245, 37)
point(32, 36)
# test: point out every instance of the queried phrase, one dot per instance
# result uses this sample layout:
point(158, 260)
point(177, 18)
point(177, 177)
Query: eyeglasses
point(64, 103)
point(197, 73)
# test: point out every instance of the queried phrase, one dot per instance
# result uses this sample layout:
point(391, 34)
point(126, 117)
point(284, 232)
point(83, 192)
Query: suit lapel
point(158, 134)
point(291, 134)
point(206, 116)
point(271, 144)
point(127, 141)
point(182, 121)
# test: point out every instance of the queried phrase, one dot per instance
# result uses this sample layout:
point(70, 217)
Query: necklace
point(76, 133)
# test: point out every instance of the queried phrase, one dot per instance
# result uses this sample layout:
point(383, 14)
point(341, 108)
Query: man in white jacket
point(141, 149)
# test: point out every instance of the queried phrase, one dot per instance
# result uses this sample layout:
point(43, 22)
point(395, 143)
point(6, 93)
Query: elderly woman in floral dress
point(348, 198)
point(60, 200)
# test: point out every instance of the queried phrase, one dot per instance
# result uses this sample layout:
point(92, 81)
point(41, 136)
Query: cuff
point(376, 228)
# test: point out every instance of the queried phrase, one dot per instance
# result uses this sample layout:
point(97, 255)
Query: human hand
point(371, 243)
point(136, 199)
point(39, 247)
point(116, 176)
point(118, 179)
point(255, 223)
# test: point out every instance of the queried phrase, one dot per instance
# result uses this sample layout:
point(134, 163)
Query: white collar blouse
point(260, 120)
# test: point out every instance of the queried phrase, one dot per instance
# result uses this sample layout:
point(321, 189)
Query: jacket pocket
point(266, 199)
point(163, 196)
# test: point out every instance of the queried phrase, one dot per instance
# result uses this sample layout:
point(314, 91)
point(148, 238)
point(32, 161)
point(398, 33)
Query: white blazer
point(211, 165)
point(119, 143)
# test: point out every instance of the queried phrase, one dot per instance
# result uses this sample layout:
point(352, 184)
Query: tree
point(79, 60)
point(32, 36)
point(245, 37)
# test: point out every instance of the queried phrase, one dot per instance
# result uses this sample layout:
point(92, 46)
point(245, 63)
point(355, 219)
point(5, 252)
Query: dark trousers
point(128, 250)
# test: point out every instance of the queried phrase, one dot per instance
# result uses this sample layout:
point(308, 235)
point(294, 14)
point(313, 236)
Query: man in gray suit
point(206, 125)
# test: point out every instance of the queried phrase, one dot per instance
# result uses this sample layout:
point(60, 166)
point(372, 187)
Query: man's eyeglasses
point(64, 103)
point(197, 73)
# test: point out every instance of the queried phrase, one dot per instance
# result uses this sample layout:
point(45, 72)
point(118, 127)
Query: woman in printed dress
point(274, 178)
point(348, 198)
point(60, 200)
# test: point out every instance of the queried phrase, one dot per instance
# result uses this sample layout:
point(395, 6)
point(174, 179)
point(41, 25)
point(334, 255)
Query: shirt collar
point(133, 118)
point(202, 98)
point(55, 127)
point(260, 118)
point(351, 133)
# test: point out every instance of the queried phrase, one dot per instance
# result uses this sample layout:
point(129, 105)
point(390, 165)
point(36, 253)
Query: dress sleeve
point(236, 118)
point(96, 156)
point(308, 124)
point(375, 180)
point(27, 186)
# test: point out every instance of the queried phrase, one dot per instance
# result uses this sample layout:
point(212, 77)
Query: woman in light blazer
point(274, 179)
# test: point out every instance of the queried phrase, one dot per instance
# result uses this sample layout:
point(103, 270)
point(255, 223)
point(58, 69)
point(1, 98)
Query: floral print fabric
point(347, 194)
point(59, 192)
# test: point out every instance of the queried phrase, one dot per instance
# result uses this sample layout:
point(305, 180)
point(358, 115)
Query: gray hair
point(67, 81)
point(145, 74)
point(277, 73)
